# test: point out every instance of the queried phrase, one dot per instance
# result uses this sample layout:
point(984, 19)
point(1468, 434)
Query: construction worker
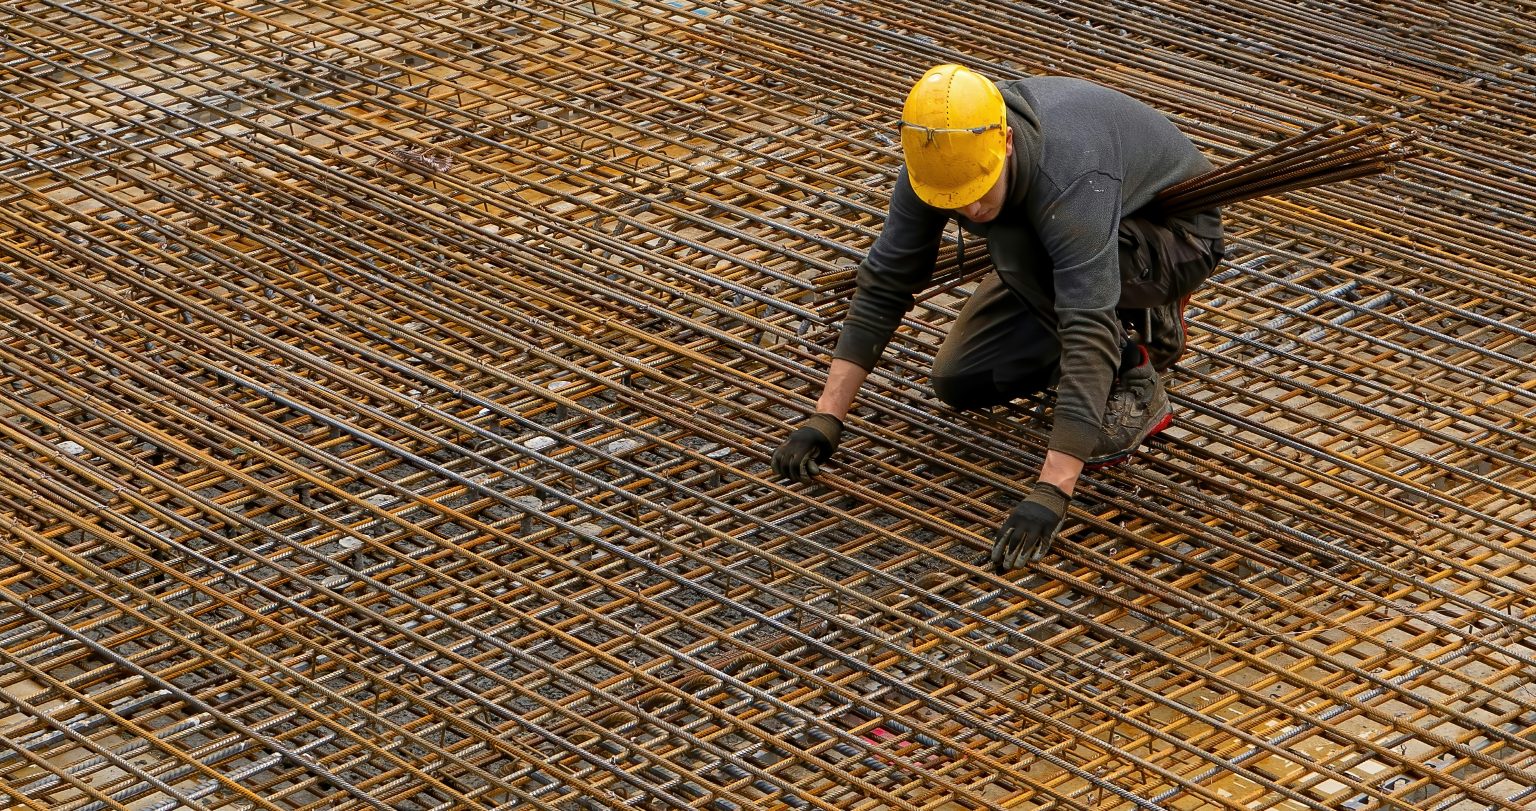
point(1090, 288)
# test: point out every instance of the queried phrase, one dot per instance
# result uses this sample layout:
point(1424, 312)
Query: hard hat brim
point(936, 177)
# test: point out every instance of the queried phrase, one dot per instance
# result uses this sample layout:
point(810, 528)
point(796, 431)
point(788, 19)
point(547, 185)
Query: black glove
point(810, 445)
point(1026, 534)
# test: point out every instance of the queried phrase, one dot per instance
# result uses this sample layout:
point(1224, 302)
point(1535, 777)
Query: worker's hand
point(1026, 534)
point(808, 447)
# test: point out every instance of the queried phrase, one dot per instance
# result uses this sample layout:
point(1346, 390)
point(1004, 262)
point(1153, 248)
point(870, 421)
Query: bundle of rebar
point(1309, 159)
point(387, 391)
point(1306, 160)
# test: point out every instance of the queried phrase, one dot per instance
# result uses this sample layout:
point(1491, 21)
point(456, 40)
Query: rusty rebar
point(388, 391)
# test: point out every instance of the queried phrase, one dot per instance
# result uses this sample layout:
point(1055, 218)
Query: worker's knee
point(992, 387)
point(967, 392)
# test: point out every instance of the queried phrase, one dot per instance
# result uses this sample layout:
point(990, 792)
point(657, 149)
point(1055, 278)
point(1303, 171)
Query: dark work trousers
point(1002, 346)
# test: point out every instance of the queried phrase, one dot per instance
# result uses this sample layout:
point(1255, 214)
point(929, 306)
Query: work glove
point(1026, 534)
point(809, 446)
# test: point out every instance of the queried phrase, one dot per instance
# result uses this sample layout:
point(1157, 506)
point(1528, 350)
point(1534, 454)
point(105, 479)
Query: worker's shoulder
point(1051, 81)
point(1060, 89)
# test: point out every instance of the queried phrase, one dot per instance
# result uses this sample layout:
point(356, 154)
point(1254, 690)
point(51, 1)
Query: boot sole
point(1111, 461)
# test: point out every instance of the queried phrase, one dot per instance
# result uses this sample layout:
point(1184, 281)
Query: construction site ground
point(387, 391)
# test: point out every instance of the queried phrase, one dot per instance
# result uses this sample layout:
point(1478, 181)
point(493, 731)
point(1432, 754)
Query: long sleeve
point(1101, 156)
point(1086, 276)
point(898, 265)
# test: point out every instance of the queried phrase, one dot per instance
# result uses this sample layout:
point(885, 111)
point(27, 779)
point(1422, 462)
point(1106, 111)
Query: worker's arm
point(843, 382)
point(1086, 276)
point(1061, 471)
point(811, 445)
point(898, 265)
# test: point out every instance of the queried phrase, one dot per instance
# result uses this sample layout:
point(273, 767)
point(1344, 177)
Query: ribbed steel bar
point(388, 389)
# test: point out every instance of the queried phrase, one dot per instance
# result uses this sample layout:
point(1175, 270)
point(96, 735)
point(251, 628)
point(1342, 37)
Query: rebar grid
point(389, 388)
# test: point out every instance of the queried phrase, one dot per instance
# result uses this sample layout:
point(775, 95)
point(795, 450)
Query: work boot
point(1138, 408)
point(1167, 334)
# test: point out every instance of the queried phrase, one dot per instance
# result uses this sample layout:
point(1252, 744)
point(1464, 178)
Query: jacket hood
point(1026, 140)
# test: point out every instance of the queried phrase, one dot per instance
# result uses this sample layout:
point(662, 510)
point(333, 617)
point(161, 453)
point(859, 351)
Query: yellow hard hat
point(953, 136)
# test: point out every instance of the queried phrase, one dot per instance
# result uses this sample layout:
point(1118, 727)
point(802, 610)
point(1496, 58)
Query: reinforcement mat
point(388, 391)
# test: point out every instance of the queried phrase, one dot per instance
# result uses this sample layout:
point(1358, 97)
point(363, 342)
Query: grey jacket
point(1085, 156)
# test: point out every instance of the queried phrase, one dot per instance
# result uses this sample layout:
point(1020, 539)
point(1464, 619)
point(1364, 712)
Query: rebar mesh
point(388, 389)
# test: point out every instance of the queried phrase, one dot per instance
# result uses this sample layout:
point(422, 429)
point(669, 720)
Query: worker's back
point(1086, 127)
